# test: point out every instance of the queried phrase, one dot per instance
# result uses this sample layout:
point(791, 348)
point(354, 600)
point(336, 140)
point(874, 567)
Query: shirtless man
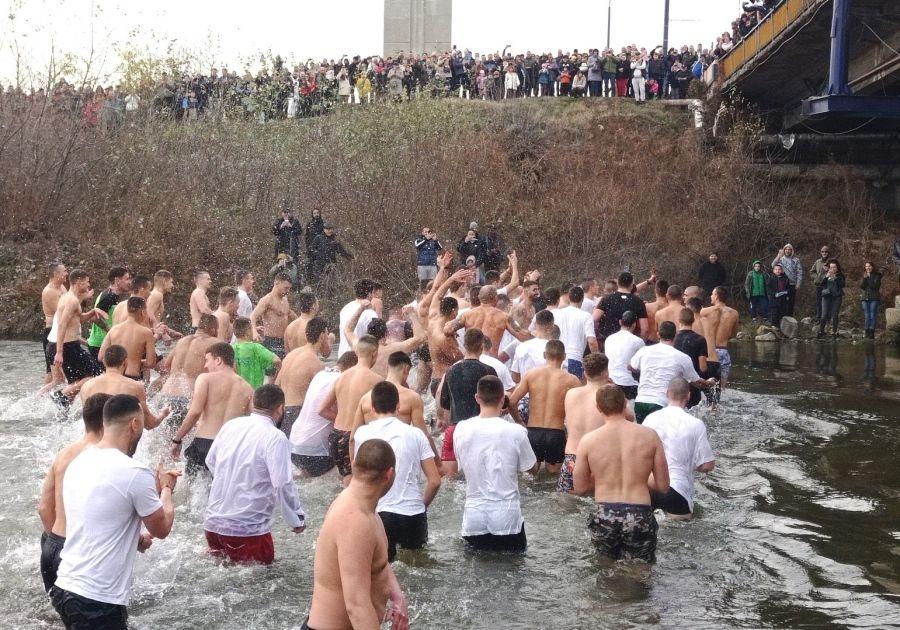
point(692, 291)
point(615, 462)
point(140, 287)
point(524, 311)
point(274, 313)
point(488, 319)
point(163, 284)
point(220, 394)
point(660, 289)
point(113, 381)
point(226, 313)
point(546, 388)
point(199, 303)
point(348, 390)
point(352, 579)
point(722, 322)
point(51, 508)
point(443, 347)
point(183, 365)
point(137, 339)
point(49, 301)
point(410, 409)
point(582, 415)
point(388, 346)
point(295, 333)
point(300, 367)
point(672, 309)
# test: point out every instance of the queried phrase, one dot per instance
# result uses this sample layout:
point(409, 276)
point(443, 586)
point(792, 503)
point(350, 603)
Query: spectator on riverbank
point(756, 287)
point(427, 249)
point(472, 244)
point(286, 230)
point(817, 273)
point(711, 274)
point(832, 297)
point(870, 298)
point(793, 270)
point(323, 258)
point(779, 289)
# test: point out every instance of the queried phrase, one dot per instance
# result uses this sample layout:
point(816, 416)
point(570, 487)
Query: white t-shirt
point(686, 445)
point(491, 453)
point(529, 355)
point(411, 448)
point(106, 494)
point(362, 325)
point(588, 306)
point(245, 306)
point(619, 347)
point(309, 433)
point(461, 333)
point(575, 326)
point(508, 344)
point(659, 364)
point(501, 370)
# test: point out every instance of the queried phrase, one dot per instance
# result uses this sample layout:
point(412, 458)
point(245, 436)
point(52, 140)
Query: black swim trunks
point(51, 546)
point(275, 344)
point(409, 532)
point(77, 362)
point(624, 531)
point(305, 625)
point(339, 450)
point(44, 343)
point(670, 502)
point(424, 353)
point(313, 465)
point(80, 613)
point(493, 542)
point(139, 379)
point(549, 445)
point(290, 416)
point(196, 453)
point(630, 391)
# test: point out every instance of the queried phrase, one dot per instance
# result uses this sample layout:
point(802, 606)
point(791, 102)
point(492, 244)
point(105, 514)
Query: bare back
point(547, 389)
point(490, 320)
point(55, 476)
point(199, 305)
point(156, 306)
point(443, 348)
point(728, 326)
point(186, 363)
point(227, 396)
point(295, 333)
point(582, 415)
point(349, 389)
point(296, 373)
point(621, 456)
point(668, 314)
point(49, 301)
point(138, 342)
point(69, 306)
point(225, 325)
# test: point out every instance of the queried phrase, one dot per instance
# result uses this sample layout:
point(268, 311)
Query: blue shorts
point(724, 362)
point(575, 368)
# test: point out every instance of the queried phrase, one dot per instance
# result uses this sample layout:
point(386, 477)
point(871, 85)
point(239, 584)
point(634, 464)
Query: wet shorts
point(51, 545)
point(670, 502)
point(313, 465)
point(339, 450)
point(724, 361)
point(79, 612)
point(178, 408)
point(77, 362)
point(549, 445)
point(196, 453)
point(447, 454)
point(44, 343)
point(258, 549)
point(275, 344)
point(290, 415)
point(630, 391)
point(525, 408)
point(305, 625)
point(424, 354)
point(408, 532)
point(566, 483)
point(624, 531)
point(496, 542)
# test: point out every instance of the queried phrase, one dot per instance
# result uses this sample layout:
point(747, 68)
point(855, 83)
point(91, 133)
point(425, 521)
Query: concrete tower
point(416, 25)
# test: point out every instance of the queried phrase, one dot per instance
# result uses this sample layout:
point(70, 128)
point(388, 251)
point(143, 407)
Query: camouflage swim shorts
point(624, 531)
point(565, 482)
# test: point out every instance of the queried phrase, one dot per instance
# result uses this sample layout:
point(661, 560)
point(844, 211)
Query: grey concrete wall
point(417, 25)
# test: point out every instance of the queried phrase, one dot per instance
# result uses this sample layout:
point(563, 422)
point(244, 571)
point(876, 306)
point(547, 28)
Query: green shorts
point(642, 410)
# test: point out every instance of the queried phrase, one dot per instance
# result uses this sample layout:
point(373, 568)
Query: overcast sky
point(234, 33)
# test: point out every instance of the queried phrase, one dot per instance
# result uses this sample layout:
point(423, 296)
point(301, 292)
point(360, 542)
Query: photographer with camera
point(287, 233)
point(427, 249)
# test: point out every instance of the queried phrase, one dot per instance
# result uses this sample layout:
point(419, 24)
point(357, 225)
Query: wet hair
point(373, 459)
point(117, 272)
point(366, 345)
point(283, 277)
point(398, 359)
point(576, 295)
point(448, 305)
point(490, 390)
point(628, 319)
point(140, 283)
point(610, 400)
point(242, 327)
point(473, 341)
point(552, 295)
point(491, 276)
point(77, 275)
point(377, 328)
point(661, 287)
point(674, 292)
point(488, 344)
point(136, 304)
point(555, 332)
point(52, 267)
point(198, 273)
point(363, 288)
point(667, 331)
point(346, 360)
point(226, 295)
point(487, 294)
point(224, 351)
point(555, 349)
point(268, 397)
point(306, 301)
point(314, 329)
point(114, 356)
point(686, 317)
point(385, 397)
point(595, 364)
point(162, 275)
point(544, 318)
point(120, 409)
point(208, 324)
point(530, 283)
point(678, 389)
point(610, 286)
point(239, 276)
point(695, 304)
point(92, 412)
point(722, 292)
point(625, 280)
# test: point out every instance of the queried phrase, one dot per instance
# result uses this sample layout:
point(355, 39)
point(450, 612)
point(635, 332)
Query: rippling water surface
point(799, 525)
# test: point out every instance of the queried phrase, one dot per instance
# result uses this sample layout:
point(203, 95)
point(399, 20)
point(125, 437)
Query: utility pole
point(665, 52)
point(608, 24)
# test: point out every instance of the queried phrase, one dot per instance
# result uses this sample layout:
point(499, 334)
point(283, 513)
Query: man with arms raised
point(611, 307)
point(118, 289)
point(51, 508)
point(353, 582)
point(348, 390)
point(199, 302)
point(442, 346)
point(582, 415)
point(491, 453)
point(364, 290)
point(113, 381)
point(687, 449)
point(388, 343)
point(274, 312)
point(184, 364)
point(137, 339)
point(723, 322)
point(615, 462)
point(300, 367)
point(226, 313)
point(295, 333)
point(54, 290)
point(107, 496)
point(403, 508)
point(219, 395)
point(250, 462)
point(576, 331)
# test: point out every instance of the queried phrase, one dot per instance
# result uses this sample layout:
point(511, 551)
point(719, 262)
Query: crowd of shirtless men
point(584, 379)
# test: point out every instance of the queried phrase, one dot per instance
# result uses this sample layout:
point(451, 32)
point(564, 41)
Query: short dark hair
point(135, 304)
point(139, 283)
point(120, 409)
point(78, 274)
point(610, 399)
point(723, 295)
point(224, 351)
point(268, 397)
point(686, 316)
point(242, 327)
point(373, 459)
point(473, 340)
point(695, 304)
point(398, 358)
point(576, 294)
point(314, 329)
point(208, 324)
point(52, 267)
point(490, 390)
point(448, 305)
point(661, 286)
point(198, 273)
point(385, 397)
point(363, 288)
point(306, 301)
point(92, 412)
point(555, 349)
point(377, 328)
point(544, 318)
point(239, 276)
point(674, 292)
point(628, 319)
point(114, 356)
point(595, 364)
point(667, 331)
point(161, 275)
point(552, 295)
point(625, 279)
point(347, 360)
point(491, 276)
point(117, 272)
point(227, 294)
point(283, 277)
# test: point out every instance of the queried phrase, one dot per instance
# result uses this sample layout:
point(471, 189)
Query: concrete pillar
point(417, 26)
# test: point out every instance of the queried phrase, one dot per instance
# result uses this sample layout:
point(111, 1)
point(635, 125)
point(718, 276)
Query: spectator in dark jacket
point(779, 293)
point(324, 255)
point(832, 297)
point(287, 234)
point(712, 274)
point(314, 227)
point(427, 249)
point(870, 288)
point(473, 245)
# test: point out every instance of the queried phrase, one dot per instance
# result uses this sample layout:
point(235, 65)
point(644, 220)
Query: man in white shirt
point(491, 453)
point(658, 365)
point(530, 354)
point(687, 449)
point(619, 347)
point(250, 462)
point(499, 367)
point(244, 282)
point(107, 495)
point(591, 296)
point(403, 508)
point(364, 289)
point(576, 331)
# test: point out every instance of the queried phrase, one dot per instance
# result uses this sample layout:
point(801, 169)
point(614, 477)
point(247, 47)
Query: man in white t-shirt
point(576, 331)
point(403, 508)
point(491, 453)
point(244, 282)
point(107, 495)
point(658, 365)
point(364, 289)
point(591, 296)
point(499, 367)
point(530, 354)
point(619, 347)
point(687, 449)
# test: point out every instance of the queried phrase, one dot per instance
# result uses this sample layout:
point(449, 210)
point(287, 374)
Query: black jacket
point(288, 237)
point(474, 248)
point(314, 227)
point(711, 275)
point(326, 249)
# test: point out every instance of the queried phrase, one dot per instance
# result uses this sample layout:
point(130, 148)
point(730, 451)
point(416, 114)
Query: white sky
point(235, 33)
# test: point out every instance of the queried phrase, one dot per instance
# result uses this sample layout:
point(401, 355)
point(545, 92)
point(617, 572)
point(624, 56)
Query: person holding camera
point(427, 249)
point(287, 233)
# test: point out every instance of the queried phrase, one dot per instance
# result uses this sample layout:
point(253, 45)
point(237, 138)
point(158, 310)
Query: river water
point(799, 524)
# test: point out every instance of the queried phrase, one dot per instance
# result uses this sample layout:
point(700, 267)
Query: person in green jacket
point(119, 288)
point(252, 361)
point(756, 286)
point(870, 297)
